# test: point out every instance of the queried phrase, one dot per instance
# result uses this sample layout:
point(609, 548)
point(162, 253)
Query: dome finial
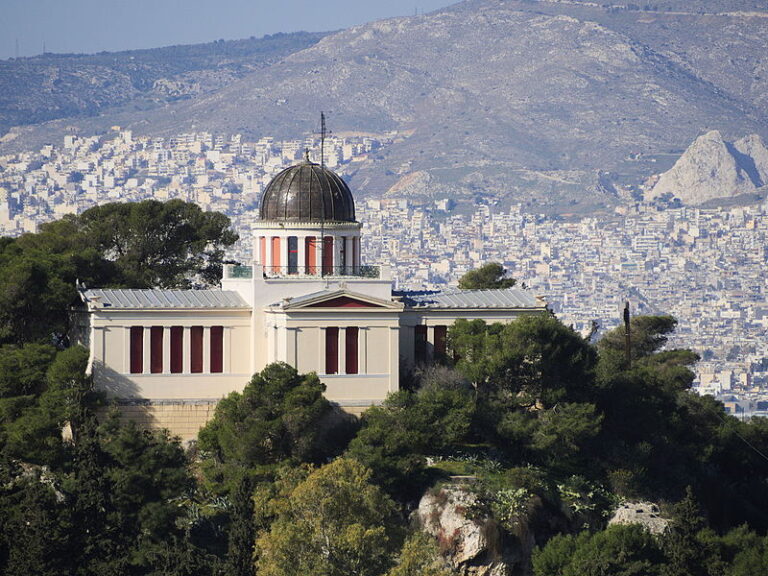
point(306, 155)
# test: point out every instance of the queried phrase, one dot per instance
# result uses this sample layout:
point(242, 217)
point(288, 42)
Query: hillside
point(52, 86)
point(531, 101)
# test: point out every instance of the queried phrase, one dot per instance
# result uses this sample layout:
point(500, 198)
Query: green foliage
point(137, 245)
point(395, 437)
point(242, 533)
point(158, 244)
point(621, 550)
point(420, 556)
point(535, 359)
point(279, 416)
point(334, 523)
point(23, 369)
point(491, 275)
point(34, 431)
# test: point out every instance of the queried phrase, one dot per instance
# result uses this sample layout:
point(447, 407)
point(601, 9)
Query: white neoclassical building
point(168, 356)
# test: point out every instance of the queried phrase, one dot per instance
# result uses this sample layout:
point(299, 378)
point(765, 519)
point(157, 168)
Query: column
point(186, 357)
point(342, 348)
point(362, 352)
point(147, 342)
point(301, 242)
point(267, 261)
point(126, 350)
point(166, 350)
point(338, 245)
point(283, 255)
point(350, 248)
point(394, 359)
point(207, 350)
point(321, 351)
point(430, 344)
point(227, 349)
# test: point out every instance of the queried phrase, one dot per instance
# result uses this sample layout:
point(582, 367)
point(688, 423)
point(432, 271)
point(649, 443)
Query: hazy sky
point(96, 25)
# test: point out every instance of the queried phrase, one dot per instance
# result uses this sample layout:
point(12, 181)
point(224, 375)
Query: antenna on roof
point(322, 199)
point(322, 139)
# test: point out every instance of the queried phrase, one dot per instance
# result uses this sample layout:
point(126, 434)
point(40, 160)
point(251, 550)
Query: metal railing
point(323, 271)
point(238, 271)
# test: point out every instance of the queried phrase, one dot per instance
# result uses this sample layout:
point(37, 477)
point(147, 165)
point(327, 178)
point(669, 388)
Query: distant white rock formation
point(712, 168)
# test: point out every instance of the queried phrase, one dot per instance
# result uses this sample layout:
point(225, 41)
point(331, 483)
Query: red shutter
point(351, 350)
point(331, 350)
point(263, 250)
point(310, 255)
point(328, 255)
point(156, 350)
point(137, 349)
point(177, 349)
point(217, 349)
point(440, 336)
point(420, 344)
point(196, 349)
point(275, 254)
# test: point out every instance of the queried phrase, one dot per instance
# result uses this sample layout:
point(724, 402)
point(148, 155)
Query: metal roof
point(132, 299)
point(491, 299)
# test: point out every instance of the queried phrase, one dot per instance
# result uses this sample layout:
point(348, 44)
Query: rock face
point(712, 168)
point(643, 513)
point(471, 544)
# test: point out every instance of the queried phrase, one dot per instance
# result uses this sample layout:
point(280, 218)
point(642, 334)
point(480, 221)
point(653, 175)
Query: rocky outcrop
point(644, 513)
point(470, 540)
point(712, 168)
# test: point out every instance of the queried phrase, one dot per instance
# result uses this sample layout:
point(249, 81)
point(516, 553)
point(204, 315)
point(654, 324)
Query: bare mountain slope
point(521, 100)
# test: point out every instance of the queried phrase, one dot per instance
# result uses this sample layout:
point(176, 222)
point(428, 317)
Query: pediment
point(339, 299)
point(343, 302)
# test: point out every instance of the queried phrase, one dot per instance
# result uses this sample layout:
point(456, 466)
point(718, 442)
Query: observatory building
point(167, 356)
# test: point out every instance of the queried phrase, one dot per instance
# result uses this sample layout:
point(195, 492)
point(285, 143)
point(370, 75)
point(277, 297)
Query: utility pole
point(627, 335)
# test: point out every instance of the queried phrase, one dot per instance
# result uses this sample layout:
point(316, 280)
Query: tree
point(535, 359)
point(684, 551)
point(278, 416)
point(242, 534)
point(420, 557)
point(23, 369)
point(137, 245)
point(334, 523)
point(159, 244)
point(491, 275)
point(395, 437)
point(620, 550)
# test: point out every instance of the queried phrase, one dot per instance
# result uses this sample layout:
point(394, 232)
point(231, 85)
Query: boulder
point(644, 513)
point(469, 540)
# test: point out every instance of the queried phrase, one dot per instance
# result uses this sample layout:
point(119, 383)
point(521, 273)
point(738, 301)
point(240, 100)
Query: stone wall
point(182, 419)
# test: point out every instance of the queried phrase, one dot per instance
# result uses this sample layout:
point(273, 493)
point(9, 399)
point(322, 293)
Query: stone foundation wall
point(182, 419)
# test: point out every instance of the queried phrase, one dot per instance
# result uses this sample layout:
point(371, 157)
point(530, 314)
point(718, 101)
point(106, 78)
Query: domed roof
point(307, 192)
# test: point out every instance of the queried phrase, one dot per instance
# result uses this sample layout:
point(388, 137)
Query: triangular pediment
point(339, 299)
point(343, 302)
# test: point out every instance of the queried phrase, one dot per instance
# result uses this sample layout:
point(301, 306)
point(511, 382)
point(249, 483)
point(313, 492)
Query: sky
point(110, 25)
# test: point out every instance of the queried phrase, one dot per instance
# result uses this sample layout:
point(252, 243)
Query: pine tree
point(242, 534)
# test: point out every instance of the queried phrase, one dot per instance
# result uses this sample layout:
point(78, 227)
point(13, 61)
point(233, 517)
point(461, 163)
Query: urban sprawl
point(706, 267)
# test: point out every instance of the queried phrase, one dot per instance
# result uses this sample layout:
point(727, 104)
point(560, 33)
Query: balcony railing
point(239, 272)
point(322, 271)
point(246, 272)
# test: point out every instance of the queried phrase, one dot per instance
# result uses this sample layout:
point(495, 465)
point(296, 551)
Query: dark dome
point(307, 192)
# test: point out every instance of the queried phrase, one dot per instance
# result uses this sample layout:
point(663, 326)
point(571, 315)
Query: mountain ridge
point(512, 89)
